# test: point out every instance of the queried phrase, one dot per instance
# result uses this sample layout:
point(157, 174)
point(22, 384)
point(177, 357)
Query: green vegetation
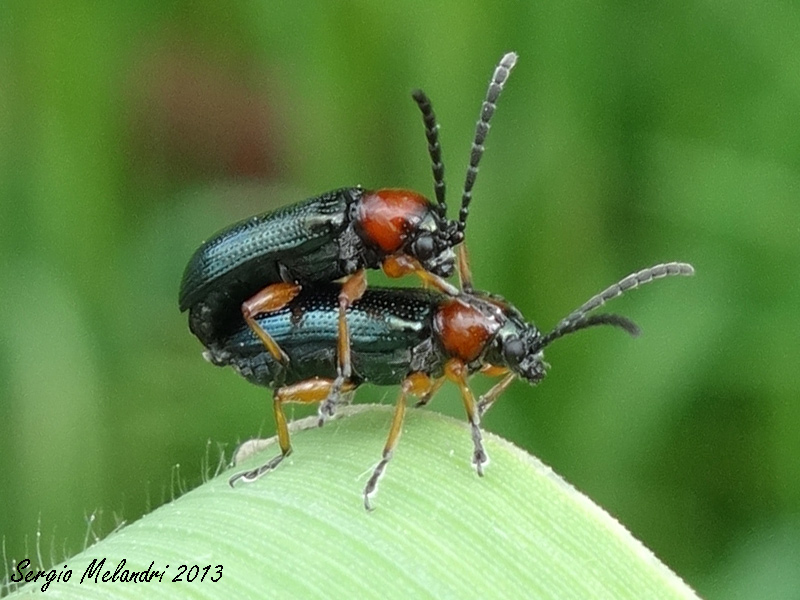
point(438, 531)
point(628, 135)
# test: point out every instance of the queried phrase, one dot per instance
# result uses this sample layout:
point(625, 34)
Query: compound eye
point(513, 350)
point(423, 248)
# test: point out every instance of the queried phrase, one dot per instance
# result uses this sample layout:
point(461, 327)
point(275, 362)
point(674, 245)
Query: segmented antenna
point(434, 148)
point(590, 321)
point(577, 319)
point(499, 79)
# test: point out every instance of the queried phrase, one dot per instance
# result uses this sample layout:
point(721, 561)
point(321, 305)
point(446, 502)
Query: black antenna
point(434, 148)
point(590, 321)
point(499, 79)
point(578, 319)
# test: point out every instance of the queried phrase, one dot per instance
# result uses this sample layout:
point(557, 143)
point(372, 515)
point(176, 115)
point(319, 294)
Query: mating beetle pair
point(259, 265)
point(333, 236)
point(265, 283)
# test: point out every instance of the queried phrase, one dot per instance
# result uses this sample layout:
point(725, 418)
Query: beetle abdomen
point(389, 330)
point(247, 254)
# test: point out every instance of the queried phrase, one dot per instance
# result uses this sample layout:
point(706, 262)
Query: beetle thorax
point(465, 328)
point(386, 218)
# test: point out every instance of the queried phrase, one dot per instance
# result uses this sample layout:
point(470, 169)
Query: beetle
point(260, 264)
point(412, 337)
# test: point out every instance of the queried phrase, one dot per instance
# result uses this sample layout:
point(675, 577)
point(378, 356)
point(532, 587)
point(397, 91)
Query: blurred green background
point(629, 134)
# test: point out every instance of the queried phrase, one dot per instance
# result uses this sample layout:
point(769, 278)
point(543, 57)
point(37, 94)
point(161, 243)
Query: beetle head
point(517, 344)
point(520, 348)
point(520, 345)
point(433, 244)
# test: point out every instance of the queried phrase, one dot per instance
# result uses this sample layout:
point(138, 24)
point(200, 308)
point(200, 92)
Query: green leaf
point(438, 530)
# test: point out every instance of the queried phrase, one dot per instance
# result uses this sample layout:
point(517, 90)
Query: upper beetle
point(259, 265)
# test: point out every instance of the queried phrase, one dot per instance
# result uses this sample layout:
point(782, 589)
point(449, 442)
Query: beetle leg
point(310, 390)
point(426, 397)
point(271, 298)
point(456, 372)
point(352, 289)
point(464, 270)
point(398, 265)
point(388, 449)
point(416, 384)
point(486, 401)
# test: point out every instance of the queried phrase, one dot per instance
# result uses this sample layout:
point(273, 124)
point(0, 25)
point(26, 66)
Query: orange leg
point(400, 264)
point(352, 289)
point(456, 372)
point(487, 400)
point(305, 392)
point(494, 370)
point(464, 271)
point(415, 384)
point(271, 298)
point(426, 397)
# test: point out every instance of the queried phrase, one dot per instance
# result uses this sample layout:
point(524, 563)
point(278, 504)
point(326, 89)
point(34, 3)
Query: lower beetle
point(259, 265)
point(411, 337)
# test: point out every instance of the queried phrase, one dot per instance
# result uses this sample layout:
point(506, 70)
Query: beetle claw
point(327, 410)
